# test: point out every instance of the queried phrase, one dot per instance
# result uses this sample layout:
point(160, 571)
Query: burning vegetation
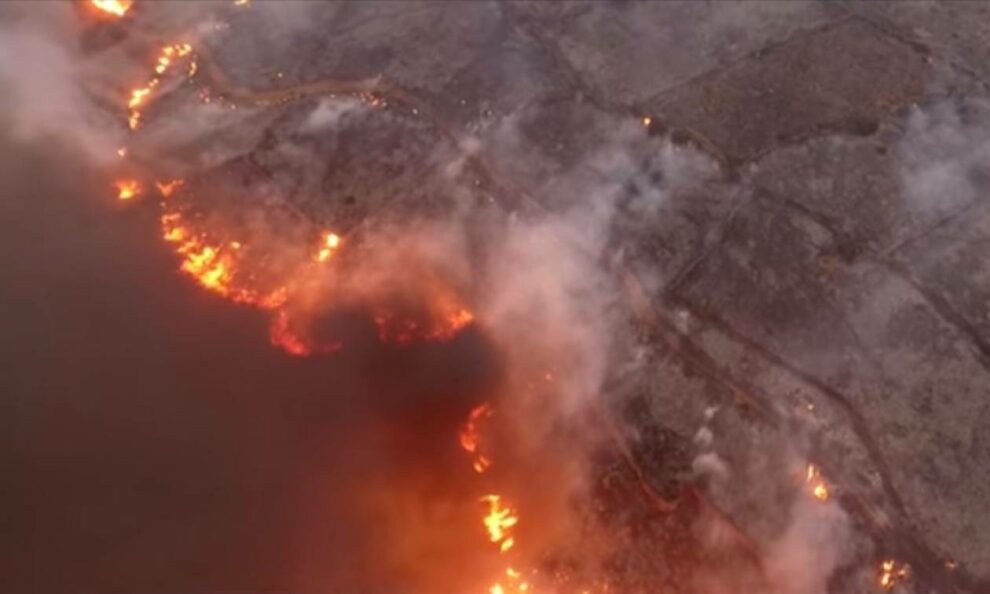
point(111, 8)
point(301, 271)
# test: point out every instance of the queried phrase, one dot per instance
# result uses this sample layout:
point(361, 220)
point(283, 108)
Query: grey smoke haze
point(945, 151)
point(162, 445)
point(44, 80)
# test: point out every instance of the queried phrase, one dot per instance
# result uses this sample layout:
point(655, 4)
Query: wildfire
point(170, 52)
point(167, 187)
point(499, 521)
point(819, 489)
point(127, 189)
point(117, 8)
point(213, 265)
point(470, 436)
point(500, 518)
point(166, 58)
point(282, 337)
point(331, 241)
point(890, 573)
point(446, 320)
point(140, 95)
point(514, 584)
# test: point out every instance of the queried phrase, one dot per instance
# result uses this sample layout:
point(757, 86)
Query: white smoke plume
point(45, 80)
point(944, 155)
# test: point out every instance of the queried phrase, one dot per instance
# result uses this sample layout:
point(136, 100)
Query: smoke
point(944, 154)
point(44, 79)
point(386, 499)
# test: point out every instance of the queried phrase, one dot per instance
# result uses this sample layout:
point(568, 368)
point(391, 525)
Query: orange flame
point(282, 336)
point(169, 52)
point(499, 521)
point(331, 241)
point(116, 8)
point(514, 584)
point(127, 189)
point(214, 265)
point(819, 489)
point(446, 322)
point(167, 187)
point(140, 95)
point(470, 437)
point(890, 574)
point(500, 518)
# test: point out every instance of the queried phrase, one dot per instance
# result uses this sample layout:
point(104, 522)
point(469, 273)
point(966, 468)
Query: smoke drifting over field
point(183, 452)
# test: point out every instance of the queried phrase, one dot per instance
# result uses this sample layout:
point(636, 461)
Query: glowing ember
point(282, 337)
point(470, 436)
point(331, 241)
point(140, 95)
point(500, 518)
point(168, 53)
point(444, 323)
point(499, 521)
point(213, 266)
point(814, 480)
point(117, 8)
point(167, 187)
point(127, 189)
point(167, 56)
point(513, 584)
point(890, 573)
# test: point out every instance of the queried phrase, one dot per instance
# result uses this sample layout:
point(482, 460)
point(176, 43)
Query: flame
point(139, 96)
point(514, 584)
point(445, 322)
point(819, 489)
point(212, 265)
point(282, 336)
point(219, 267)
point(127, 189)
point(890, 574)
point(169, 52)
point(117, 8)
point(331, 241)
point(500, 518)
point(167, 187)
point(470, 437)
point(499, 521)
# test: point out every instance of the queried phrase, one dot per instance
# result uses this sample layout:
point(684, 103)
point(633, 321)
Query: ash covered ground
point(748, 235)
